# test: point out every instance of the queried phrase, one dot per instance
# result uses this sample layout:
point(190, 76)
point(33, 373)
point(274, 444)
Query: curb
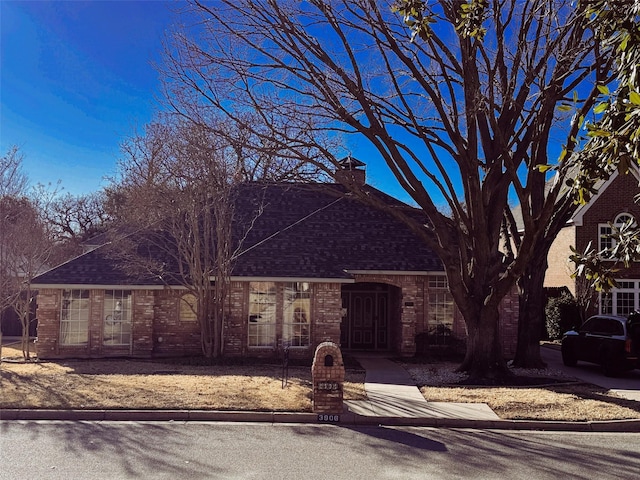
point(346, 419)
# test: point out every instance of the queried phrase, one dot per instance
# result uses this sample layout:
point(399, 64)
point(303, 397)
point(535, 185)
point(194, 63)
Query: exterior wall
point(170, 336)
point(326, 308)
point(560, 267)
point(49, 310)
point(158, 331)
point(48, 313)
point(617, 198)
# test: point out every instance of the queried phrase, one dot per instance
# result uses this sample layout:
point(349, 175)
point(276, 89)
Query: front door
point(366, 325)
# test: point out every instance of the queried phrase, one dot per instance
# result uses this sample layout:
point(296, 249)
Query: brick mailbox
point(327, 372)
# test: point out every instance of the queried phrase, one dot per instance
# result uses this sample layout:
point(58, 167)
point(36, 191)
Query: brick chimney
point(350, 171)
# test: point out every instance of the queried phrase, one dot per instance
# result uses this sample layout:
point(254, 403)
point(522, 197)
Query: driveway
point(626, 385)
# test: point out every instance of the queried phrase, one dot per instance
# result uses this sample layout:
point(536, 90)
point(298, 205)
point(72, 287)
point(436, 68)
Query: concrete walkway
point(392, 393)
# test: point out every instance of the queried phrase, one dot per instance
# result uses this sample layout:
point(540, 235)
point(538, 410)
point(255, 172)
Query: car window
point(602, 326)
point(613, 327)
point(595, 325)
point(589, 325)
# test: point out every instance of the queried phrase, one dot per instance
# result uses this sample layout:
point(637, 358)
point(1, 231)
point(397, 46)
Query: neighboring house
point(591, 223)
point(317, 265)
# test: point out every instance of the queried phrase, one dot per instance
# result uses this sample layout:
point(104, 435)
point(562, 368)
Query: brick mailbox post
point(327, 372)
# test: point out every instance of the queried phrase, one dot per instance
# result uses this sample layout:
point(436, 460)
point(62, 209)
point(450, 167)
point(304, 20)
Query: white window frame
point(605, 230)
point(75, 312)
point(261, 321)
point(296, 325)
point(441, 308)
point(118, 318)
point(616, 302)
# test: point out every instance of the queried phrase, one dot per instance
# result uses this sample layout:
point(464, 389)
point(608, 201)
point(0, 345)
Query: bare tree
point(13, 184)
point(77, 218)
point(458, 118)
point(178, 185)
point(26, 248)
point(13, 181)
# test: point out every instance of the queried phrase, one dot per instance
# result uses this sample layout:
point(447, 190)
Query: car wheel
point(569, 357)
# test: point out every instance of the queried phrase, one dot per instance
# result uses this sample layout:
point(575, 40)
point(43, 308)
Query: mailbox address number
point(328, 418)
point(328, 386)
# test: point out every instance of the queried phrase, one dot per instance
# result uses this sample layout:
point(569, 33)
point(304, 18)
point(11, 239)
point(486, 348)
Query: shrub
point(562, 314)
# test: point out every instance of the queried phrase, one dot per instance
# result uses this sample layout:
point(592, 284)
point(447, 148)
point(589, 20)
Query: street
point(123, 450)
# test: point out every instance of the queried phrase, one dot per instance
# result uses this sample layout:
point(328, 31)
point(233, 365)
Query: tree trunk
point(531, 317)
point(483, 361)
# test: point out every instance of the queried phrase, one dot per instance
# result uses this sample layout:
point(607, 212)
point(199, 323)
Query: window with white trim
point(621, 300)
point(605, 230)
point(74, 317)
point(440, 316)
point(117, 317)
point(297, 314)
point(262, 314)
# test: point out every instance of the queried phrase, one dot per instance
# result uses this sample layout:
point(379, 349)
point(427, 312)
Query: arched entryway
point(370, 316)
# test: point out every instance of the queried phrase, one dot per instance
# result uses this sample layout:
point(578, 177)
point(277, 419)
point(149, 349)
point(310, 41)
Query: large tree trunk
point(484, 361)
point(531, 318)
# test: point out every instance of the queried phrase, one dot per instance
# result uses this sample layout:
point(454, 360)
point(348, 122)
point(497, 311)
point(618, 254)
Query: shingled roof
point(311, 231)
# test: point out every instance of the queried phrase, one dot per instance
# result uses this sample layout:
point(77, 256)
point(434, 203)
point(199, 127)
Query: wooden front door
point(366, 326)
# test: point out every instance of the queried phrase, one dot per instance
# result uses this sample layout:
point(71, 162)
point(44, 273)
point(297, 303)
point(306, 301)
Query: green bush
point(562, 314)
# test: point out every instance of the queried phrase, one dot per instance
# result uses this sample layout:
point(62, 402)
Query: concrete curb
point(346, 419)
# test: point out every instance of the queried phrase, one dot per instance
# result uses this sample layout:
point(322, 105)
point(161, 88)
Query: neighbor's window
point(74, 317)
point(605, 241)
point(262, 314)
point(117, 317)
point(621, 300)
point(297, 314)
point(440, 318)
point(188, 308)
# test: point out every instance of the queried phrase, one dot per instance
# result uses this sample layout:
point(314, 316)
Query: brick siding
point(159, 332)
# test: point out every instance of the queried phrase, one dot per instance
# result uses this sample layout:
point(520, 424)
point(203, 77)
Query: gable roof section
point(310, 231)
point(577, 217)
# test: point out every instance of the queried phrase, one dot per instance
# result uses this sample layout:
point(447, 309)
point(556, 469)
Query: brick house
point(317, 265)
point(613, 204)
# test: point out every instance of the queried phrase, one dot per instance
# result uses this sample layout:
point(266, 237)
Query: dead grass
point(568, 402)
point(553, 398)
point(126, 384)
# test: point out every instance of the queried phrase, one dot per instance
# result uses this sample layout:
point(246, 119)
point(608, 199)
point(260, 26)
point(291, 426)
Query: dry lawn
point(559, 398)
point(126, 384)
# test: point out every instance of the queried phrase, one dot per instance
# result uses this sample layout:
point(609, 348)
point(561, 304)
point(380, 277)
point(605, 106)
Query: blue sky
point(76, 78)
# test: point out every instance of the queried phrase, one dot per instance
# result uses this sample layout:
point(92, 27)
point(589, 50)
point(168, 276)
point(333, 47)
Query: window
point(440, 317)
point(262, 314)
point(621, 300)
point(605, 230)
point(74, 317)
point(297, 313)
point(188, 310)
point(604, 234)
point(117, 317)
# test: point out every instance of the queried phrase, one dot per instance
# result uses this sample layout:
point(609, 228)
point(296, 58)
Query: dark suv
point(612, 342)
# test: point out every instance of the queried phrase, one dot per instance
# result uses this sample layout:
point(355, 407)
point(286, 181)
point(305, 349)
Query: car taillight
point(627, 346)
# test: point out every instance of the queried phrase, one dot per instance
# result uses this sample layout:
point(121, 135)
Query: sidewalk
point(392, 393)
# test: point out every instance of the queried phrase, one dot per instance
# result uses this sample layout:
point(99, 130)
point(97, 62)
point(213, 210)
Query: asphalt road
point(626, 385)
point(124, 450)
